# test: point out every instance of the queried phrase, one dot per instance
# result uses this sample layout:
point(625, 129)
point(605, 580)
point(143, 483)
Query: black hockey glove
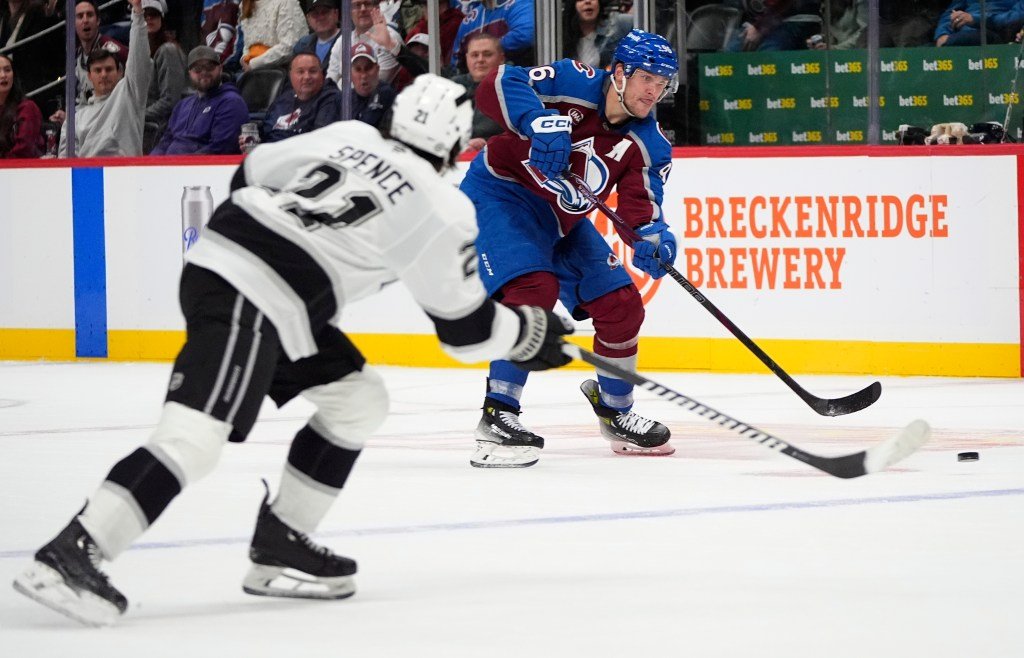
point(539, 345)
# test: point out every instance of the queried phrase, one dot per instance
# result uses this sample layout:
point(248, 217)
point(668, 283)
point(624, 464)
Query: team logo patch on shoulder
point(613, 262)
point(177, 379)
point(575, 115)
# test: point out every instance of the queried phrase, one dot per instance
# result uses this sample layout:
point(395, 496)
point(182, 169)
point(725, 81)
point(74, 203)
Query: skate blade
point(626, 448)
point(492, 455)
point(45, 586)
point(263, 580)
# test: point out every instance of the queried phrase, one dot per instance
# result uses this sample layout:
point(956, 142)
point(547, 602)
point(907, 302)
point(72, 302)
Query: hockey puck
point(967, 457)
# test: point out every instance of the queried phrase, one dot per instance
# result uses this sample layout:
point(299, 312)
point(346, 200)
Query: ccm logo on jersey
point(575, 115)
point(551, 124)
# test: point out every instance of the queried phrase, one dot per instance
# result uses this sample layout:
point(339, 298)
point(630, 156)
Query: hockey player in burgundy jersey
point(535, 244)
point(313, 222)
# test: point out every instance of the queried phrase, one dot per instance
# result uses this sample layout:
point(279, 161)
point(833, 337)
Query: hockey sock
point(137, 490)
point(314, 475)
point(506, 382)
point(616, 393)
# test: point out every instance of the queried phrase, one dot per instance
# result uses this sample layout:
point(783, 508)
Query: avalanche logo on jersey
point(288, 120)
point(569, 199)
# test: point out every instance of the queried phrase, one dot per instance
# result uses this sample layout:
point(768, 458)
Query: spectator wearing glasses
point(371, 28)
point(209, 121)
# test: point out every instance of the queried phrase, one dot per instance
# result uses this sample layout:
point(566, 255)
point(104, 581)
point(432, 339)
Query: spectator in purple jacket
point(209, 121)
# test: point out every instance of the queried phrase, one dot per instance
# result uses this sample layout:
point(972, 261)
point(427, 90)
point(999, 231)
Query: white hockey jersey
point(332, 216)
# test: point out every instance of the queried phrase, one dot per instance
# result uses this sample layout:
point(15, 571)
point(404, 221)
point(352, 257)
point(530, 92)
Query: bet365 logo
point(623, 252)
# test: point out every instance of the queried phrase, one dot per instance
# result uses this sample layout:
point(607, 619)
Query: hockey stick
point(872, 460)
point(824, 406)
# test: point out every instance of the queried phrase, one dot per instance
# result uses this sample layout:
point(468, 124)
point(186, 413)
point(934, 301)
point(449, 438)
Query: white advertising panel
point(847, 248)
point(36, 249)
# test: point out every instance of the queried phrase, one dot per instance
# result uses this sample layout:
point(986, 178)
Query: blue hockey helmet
point(649, 52)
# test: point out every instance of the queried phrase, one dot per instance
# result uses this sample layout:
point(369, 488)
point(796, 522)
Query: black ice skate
point(66, 577)
point(502, 441)
point(629, 433)
point(286, 562)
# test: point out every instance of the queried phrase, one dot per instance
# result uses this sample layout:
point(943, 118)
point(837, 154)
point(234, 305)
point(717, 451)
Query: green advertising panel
point(821, 97)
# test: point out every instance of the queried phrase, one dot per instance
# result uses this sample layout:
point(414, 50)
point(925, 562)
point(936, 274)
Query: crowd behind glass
point(220, 76)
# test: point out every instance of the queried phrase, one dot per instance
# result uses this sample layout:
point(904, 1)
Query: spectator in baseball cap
point(209, 121)
point(371, 97)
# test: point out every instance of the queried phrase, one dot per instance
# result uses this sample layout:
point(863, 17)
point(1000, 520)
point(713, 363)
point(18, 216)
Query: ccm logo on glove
point(551, 124)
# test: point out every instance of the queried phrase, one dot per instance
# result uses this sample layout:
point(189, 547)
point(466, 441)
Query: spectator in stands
point(409, 13)
point(170, 81)
point(219, 29)
point(89, 39)
point(483, 55)
point(849, 27)
point(960, 24)
point(40, 61)
point(419, 45)
point(451, 18)
point(370, 27)
point(371, 97)
point(591, 38)
point(779, 25)
point(20, 119)
point(322, 17)
point(270, 29)
point(908, 23)
point(209, 121)
point(510, 20)
point(307, 105)
point(110, 122)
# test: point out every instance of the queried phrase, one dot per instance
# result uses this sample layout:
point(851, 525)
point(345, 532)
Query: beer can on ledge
point(196, 208)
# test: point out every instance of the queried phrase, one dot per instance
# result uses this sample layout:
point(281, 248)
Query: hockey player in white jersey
point(313, 222)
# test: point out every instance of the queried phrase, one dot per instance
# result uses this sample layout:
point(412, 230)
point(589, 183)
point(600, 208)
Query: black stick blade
point(846, 405)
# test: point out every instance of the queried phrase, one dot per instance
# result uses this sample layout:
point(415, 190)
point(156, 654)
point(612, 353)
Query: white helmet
point(434, 115)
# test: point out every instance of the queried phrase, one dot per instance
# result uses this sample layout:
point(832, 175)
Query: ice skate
point(287, 563)
point(629, 433)
point(66, 577)
point(502, 441)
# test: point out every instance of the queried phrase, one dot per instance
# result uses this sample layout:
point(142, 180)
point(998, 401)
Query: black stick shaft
point(824, 406)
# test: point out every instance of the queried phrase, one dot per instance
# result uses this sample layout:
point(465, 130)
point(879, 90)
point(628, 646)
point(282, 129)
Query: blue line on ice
point(581, 518)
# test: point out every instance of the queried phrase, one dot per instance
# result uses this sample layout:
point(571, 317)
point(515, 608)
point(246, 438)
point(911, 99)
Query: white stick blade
point(899, 447)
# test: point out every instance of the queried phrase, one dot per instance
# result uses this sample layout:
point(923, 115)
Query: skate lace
point(92, 551)
point(311, 545)
point(95, 556)
point(635, 423)
point(512, 420)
